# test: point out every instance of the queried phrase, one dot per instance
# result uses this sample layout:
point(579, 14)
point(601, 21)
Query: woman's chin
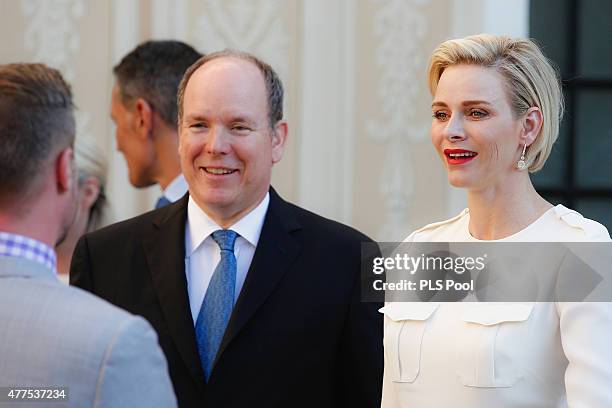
point(458, 181)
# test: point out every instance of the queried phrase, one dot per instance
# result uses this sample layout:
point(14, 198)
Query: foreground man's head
point(37, 172)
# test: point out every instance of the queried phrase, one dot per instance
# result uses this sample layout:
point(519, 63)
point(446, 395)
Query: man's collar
point(176, 189)
point(201, 226)
point(19, 246)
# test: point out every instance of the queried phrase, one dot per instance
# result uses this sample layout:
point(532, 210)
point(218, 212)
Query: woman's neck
point(505, 209)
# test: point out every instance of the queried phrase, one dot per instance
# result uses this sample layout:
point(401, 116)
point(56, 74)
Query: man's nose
point(217, 142)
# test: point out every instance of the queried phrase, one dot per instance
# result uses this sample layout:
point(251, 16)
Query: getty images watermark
point(492, 272)
point(433, 263)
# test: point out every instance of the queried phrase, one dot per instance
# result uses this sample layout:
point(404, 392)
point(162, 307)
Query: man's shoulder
point(82, 318)
point(326, 228)
point(89, 307)
point(132, 225)
point(97, 323)
point(79, 335)
point(135, 227)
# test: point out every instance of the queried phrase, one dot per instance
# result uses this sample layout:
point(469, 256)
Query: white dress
point(555, 354)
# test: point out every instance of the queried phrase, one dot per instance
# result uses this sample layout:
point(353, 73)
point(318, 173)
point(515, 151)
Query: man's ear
point(65, 170)
point(90, 190)
point(143, 116)
point(279, 138)
point(532, 124)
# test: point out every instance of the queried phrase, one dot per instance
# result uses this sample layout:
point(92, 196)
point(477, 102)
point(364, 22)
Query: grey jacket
point(57, 336)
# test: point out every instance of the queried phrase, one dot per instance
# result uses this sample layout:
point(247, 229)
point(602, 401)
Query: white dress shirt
point(176, 189)
point(202, 254)
point(521, 354)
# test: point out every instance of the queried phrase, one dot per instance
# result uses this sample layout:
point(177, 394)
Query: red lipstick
point(459, 156)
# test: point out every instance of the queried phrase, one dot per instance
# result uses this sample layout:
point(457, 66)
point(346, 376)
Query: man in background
point(52, 335)
point(257, 302)
point(143, 107)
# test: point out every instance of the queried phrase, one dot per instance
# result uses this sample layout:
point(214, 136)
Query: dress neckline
point(517, 234)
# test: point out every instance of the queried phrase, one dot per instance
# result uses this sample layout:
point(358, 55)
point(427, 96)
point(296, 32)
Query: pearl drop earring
point(521, 165)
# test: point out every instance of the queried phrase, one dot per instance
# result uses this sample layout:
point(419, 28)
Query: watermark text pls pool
point(424, 284)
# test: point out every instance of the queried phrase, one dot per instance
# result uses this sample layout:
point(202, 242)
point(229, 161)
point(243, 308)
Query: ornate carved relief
point(249, 25)
point(399, 28)
point(52, 33)
point(53, 38)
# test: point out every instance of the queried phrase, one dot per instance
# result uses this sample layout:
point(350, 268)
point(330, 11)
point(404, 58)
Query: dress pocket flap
point(408, 311)
point(491, 314)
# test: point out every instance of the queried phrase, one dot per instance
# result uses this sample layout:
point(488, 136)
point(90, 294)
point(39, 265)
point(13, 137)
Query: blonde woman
point(496, 108)
point(91, 201)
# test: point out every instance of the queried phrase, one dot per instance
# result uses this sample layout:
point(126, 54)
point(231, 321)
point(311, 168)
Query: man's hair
point(152, 71)
point(530, 79)
point(274, 86)
point(36, 121)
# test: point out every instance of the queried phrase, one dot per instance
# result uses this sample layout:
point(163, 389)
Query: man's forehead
point(229, 87)
point(229, 79)
point(230, 66)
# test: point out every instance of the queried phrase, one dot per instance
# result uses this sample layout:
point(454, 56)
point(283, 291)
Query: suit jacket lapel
point(165, 252)
point(276, 251)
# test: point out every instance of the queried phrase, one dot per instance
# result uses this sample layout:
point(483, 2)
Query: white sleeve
point(586, 336)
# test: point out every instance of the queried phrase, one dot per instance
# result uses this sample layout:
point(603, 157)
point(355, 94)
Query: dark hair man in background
point(256, 301)
point(143, 107)
point(52, 335)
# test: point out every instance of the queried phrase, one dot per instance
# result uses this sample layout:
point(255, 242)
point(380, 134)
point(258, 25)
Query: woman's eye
point(478, 114)
point(440, 115)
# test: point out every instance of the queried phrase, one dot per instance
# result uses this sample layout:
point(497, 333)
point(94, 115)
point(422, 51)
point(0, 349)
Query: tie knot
point(225, 239)
point(162, 202)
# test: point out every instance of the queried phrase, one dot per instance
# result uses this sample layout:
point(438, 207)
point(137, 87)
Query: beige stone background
point(354, 73)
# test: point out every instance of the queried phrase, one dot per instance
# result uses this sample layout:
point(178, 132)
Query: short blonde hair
point(530, 78)
point(91, 162)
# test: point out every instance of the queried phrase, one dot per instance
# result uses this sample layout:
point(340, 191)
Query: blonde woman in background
point(91, 201)
point(496, 109)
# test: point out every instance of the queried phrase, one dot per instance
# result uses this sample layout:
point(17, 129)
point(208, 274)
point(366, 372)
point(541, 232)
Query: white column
point(126, 27)
point(327, 109)
point(125, 200)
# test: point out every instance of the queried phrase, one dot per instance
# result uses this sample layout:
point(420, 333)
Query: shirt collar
point(176, 189)
point(201, 226)
point(23, 247)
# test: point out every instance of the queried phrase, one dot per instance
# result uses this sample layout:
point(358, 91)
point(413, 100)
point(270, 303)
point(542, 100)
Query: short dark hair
point(274, 86)
point(152, 71)
point(36, 120)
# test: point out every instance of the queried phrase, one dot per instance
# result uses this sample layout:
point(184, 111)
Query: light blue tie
point(218, 302)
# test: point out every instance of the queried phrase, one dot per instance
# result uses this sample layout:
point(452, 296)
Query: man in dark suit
point(256, 301)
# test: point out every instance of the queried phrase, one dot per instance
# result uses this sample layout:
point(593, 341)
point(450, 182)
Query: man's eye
point(240, 128)
point(440, 115)
point(197, 125)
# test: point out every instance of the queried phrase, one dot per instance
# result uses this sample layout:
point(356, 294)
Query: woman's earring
point(521, 165)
